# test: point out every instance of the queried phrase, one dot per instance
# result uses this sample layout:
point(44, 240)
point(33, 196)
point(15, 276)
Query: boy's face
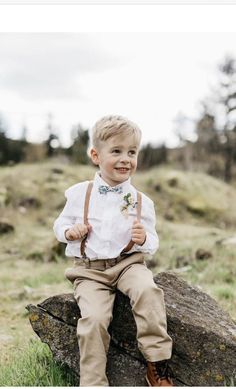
point(117, 159)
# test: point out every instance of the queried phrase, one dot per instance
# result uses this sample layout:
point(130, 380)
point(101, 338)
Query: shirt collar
point(99, 181)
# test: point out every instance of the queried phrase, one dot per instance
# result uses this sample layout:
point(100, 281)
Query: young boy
point(109, 228)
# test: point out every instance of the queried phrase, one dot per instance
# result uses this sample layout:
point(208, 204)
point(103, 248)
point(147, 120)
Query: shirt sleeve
point(148, 219)
point(66, 219)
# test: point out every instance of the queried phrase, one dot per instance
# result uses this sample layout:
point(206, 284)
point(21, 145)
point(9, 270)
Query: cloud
point(51, 65)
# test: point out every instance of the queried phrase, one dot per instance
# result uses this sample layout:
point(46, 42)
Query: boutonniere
point(128, 202)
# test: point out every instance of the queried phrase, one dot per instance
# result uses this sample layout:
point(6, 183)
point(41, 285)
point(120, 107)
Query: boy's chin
point(119, 180)
point(122, 176)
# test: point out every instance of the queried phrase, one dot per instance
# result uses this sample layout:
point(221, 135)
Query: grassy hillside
point(195, 215)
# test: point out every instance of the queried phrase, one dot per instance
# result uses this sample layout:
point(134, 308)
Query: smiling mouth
point(122, 169)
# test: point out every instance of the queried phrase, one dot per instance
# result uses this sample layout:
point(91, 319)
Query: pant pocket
point(72, 273)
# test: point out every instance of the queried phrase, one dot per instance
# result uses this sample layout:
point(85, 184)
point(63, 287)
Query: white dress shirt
point(111, 228)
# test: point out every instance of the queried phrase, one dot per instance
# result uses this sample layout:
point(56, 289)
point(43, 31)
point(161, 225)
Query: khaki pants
point(94, 291)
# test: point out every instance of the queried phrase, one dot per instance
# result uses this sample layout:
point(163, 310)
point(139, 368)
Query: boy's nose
point(125, 160)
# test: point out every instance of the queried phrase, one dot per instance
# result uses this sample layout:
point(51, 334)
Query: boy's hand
point(78, 231)
point(138, 233)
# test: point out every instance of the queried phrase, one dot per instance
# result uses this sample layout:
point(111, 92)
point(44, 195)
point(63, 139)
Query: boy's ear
point(94, 156)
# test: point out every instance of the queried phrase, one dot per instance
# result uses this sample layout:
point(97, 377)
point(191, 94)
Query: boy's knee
point(148, 292)
point(97, 319)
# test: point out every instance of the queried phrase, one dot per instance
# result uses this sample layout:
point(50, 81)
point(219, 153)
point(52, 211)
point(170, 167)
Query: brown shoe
point(159, 374)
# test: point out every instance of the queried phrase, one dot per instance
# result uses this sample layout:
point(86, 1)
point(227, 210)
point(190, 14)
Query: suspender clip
point(86, 261)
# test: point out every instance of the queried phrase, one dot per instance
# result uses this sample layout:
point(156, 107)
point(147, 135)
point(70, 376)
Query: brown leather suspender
point(139, 206)
point(86, 207)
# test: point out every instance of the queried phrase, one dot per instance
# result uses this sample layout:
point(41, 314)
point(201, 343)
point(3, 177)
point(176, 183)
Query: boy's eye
point(118, 151)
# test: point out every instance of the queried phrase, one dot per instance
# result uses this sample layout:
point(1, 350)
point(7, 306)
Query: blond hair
point(114, 125)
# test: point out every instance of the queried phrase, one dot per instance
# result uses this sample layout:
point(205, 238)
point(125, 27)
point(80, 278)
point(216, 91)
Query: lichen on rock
point(198, 326)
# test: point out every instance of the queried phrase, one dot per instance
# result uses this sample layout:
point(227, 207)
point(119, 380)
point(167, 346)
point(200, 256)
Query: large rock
point(204, 336)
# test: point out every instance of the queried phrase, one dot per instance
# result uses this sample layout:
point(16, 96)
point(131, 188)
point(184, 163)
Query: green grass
point(34, 366)
point(194, 211)
point(47, 277)
point(216, 276)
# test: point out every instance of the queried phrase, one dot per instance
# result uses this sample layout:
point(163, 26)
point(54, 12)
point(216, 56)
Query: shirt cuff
point(147, 247)
point(62, 237)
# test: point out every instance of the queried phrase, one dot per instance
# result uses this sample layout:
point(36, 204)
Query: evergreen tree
point(216, 127)
point(151, 156)
point(4, 146)
point(52, 142)
point(226, 101)
point(78, 150)
point(208, 138)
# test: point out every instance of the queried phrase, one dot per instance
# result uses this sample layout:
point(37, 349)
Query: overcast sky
point(117, 2)
point(79, 77)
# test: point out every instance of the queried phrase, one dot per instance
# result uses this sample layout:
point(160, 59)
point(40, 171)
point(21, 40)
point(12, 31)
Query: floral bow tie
point(104, 189)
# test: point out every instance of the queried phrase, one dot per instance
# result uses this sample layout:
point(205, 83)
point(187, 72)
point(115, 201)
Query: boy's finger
point(72, 235)
point(137, 227)
point(77, 231)
point(136, 237)
point(77, 235)
point(83, 230)
point(138, 234)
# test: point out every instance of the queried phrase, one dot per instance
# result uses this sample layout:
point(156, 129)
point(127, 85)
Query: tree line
point(212, 150)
